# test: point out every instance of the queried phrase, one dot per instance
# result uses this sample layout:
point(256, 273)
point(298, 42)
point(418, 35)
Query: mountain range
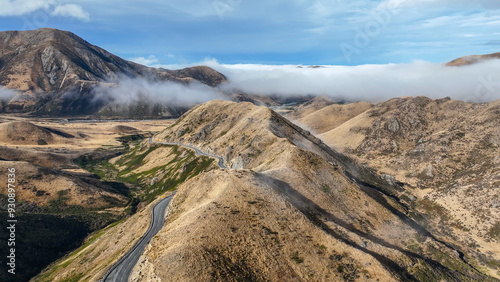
point(55, 72)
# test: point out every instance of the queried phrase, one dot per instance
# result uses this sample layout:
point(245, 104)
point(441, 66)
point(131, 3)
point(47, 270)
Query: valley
point(59, 203)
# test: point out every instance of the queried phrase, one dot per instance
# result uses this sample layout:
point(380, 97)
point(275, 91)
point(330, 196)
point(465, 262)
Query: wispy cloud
point(53, 7)
point(492, 43)
point(6, 94)
point(71, 10)
point(21, 7)
point(147, 61)
point(136, 90)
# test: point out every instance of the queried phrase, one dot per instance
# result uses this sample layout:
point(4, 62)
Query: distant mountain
point(45, 65)
point(473, 59)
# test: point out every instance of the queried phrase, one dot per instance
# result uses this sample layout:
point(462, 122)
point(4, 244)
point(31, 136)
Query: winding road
point(122, 269)
point(198, 151)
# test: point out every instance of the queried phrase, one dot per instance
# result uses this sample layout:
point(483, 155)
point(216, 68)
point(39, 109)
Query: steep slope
point(233, 226)
point(290, 208)
point(55, 71)
point(286, 210)
point(472, 59)
point(446, 154)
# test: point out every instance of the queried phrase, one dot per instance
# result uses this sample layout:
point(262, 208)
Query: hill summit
point(472, 59)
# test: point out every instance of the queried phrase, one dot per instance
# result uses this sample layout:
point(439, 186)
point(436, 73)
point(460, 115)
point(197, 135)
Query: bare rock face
point(238, 163)
point(391, 180)
point(393, 125)
point(54, 71)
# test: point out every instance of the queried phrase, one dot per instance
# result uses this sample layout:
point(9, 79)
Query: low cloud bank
point(372, 83)
point(140, 90)
point(6, 94)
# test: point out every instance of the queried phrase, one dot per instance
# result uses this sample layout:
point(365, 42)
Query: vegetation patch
point(295, 256)
point(433, 209)
point(149, 184)
point(230, 267)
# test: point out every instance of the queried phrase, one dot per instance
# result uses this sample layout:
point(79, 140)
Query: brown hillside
point(313, 105)
point(332, 116)
point(295, 192)
point(290, 208)
point(123, 129)
point(25, 133)
point(41, 185)
point(445, 152)
point(237, 226)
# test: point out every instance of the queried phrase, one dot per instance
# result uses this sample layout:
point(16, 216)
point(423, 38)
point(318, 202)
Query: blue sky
point(316, 32)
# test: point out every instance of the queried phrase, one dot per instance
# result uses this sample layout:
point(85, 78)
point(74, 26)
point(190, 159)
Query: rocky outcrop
point(238, 163)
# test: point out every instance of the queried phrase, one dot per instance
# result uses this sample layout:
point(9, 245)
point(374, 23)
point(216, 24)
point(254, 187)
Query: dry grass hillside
point(45, 188)
point(310, 107)
point(123, 129)
point(286, 210)
point(26, 133)
point(99, 251)
point(330, 117)
point(43, 153)
point(237, 226)
point(446, 153)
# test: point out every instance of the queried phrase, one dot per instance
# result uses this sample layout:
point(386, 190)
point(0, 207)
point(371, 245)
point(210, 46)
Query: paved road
point(198, 151)
point(121, 270)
